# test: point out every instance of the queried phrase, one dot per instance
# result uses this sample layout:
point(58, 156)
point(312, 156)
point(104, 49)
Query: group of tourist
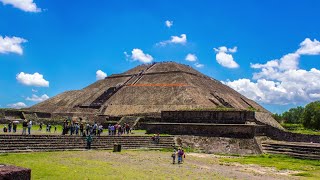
point(181, 155)
point(119, 129)
point(12, 127)
point(75, 128)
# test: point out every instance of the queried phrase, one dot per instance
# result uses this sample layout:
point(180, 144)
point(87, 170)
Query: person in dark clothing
point(14, 127)
point(81, 129)
point(24, 127)
point(5, 129)
point(9, 126)
point(89, 141)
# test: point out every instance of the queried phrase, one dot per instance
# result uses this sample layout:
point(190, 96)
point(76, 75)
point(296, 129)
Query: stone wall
point(15, 173)
point(280, 135)
point(223, 145)
point(217, 130)
point(221, 117)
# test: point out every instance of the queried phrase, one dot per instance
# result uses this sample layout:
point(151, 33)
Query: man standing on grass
point(24, 127)
point(29, 127)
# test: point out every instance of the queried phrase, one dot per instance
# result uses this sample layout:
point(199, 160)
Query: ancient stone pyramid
point(147, 89)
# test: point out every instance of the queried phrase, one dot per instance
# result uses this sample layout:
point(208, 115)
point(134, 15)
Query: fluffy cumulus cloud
point(182, 39)
point(309, 47)
point(17, 105)
point(139, 55)
point(225, 58)
point(100, 75)
point(169, 23)
point(11, 45)
point(25, 5)
point(35, 79)
point(280, 81)
point(36, 98)
point(191, 57)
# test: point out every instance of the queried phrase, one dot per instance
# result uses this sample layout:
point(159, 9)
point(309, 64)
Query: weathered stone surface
point(8, 172)
point(148, 89)
point(218, 144)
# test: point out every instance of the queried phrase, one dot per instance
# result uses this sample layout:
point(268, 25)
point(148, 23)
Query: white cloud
point(34, 90)
point(309, 47)
point(169, 23)
point(280, 81)
point(139, 55)
point(191, 58)
point(100, 75)
point(224, 58)
point(25, 5)
point(36, 98)
point(198, 65)
point(17, 105)
point(35, 79)
point(11, 45)
point(175, 40)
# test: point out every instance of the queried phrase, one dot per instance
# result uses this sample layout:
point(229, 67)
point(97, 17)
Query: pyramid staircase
point(295, 149)
point(31, 143)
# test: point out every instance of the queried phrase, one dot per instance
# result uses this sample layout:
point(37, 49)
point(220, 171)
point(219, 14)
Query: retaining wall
point(281, 135)
point(217, 130)
point(221, 117)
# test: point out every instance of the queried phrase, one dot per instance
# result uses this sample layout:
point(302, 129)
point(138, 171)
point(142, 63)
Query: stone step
point(301, 156)
point(78, 147)
point(77, 144)
point(292, 149)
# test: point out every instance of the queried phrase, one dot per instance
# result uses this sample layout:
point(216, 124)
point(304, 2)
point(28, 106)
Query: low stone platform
point(8, 172)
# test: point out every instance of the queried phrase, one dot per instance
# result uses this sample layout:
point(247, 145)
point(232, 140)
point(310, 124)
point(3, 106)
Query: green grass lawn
point(298, 128)
point(105, 165)
point(308, 168)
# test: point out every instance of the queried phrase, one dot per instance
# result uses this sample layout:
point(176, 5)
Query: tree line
point(309, 115)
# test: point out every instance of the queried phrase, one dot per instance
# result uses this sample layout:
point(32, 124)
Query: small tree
point(311, 115)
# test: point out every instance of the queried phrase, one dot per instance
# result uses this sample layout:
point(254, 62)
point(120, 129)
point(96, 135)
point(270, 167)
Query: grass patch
point(308, 168)
point(298, 128)
point(106, 165)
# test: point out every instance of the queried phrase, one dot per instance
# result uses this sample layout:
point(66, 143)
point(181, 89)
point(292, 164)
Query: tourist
point(77, 129)
point(5, 129)
point(40, 126)
point(100, 130)
point(81, 129)
point(174, 154)
point(127, 128)
point(94, 128)
point(55, 128)
point(87, 128)
point(9, 126)
point(24, 127)
point(14, 127)
point(71, 129)
point(180, 154)
point(153, 138)
point(29, 127)
point(109, 129)
point(157, 138)
point(112, 130)
point(49, 128)
point(119, 130)
point(89, 141)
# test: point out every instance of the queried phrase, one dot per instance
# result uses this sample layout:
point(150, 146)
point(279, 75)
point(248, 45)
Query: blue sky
point(269, 51)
